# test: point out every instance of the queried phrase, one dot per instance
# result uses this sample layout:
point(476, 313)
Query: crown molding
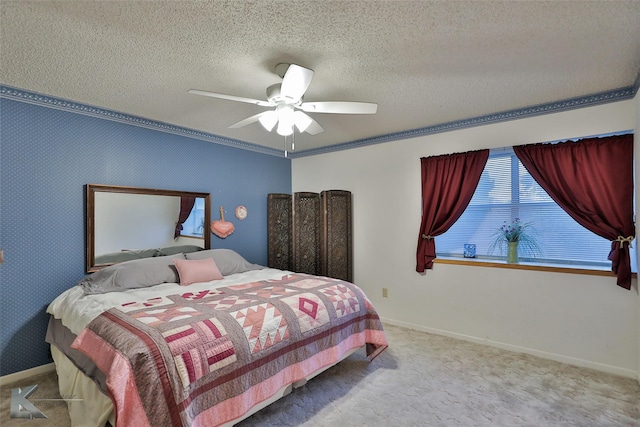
point(88, 110)
point(537, 110)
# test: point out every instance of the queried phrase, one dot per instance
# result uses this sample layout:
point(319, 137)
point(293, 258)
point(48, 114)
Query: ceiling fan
point(290, 109)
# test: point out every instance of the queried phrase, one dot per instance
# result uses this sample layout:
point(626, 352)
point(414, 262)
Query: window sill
point(527, 266)
point(189, 236)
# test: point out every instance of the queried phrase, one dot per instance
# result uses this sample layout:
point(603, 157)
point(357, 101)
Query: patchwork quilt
point(207, 357)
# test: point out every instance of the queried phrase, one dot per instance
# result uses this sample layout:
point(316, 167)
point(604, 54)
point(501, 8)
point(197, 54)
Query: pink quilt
point(206, 358)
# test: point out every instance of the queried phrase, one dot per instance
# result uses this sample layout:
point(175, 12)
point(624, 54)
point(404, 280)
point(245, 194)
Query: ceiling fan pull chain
point(285, 146)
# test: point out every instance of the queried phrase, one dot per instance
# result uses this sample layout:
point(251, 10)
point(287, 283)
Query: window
point(505, 192)
point(194, 225)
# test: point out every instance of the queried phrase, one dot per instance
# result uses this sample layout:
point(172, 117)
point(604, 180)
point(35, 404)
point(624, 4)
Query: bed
point(200, 339)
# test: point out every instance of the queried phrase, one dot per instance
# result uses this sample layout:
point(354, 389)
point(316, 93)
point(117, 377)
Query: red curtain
point(186, 205)
point(448, 184)
point(592, 180)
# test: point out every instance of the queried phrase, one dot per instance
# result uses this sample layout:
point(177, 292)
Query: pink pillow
point(195, 271)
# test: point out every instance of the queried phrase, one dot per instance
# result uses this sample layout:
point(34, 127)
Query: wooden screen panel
point(279, 231)
point(307, 226)
point(336, 256)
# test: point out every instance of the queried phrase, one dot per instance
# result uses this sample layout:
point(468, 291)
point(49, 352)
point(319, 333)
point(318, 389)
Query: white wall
point(134, 221)
point(580, 319)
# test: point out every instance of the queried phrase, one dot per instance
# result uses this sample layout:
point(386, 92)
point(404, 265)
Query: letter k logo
point(21, 407)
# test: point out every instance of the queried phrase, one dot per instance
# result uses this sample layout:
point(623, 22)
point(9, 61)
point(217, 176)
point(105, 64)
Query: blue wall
point(47, 155)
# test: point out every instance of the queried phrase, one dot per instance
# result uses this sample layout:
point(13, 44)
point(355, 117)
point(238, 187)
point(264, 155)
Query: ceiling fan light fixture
point(268, 120)
point(284, 130)
point(286, 119)
point(301, 120)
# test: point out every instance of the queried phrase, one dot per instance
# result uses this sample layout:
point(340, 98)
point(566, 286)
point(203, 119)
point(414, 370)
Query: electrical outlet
point(385, 292)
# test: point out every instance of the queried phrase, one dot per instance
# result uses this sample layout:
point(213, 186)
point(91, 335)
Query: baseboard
point(27, 373)
point(629, 373)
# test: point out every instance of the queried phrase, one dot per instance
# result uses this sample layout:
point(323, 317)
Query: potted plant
point(511, 236)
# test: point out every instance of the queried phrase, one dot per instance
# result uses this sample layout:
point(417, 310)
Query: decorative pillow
point(139, 273)
point(197, 270)
point(172, 250)
point(227, 260)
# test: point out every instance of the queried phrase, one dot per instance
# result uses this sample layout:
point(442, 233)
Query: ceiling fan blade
point(230, 97)
point(252, 119)
point(295, 82)
point(339, 107)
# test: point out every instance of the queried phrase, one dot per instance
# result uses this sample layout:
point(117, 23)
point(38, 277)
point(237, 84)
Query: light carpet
point(430, 380)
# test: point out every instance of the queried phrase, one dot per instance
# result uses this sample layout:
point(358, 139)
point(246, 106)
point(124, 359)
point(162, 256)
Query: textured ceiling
point(424, 63)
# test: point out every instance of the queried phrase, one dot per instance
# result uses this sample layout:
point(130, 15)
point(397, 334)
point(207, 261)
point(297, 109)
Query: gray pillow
point(172, 250)
point(227, 260)
point(126, 255)
point(139, 273)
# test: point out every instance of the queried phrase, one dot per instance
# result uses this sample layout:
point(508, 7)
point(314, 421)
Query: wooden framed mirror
point(124, 222)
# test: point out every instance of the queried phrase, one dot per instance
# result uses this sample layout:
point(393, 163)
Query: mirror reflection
point(126, 223)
